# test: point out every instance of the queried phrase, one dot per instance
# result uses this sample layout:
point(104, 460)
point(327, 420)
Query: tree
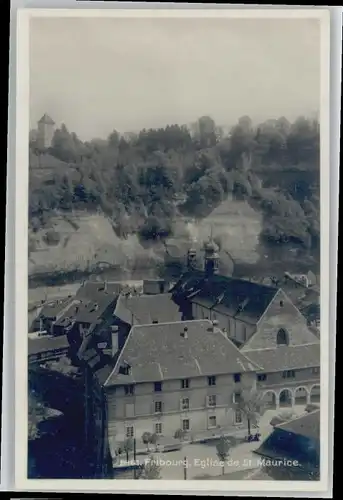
point(250, 404)
point(180, 434)
point(128, 446)
point(153, 439)
point(151, 469)
point(146, 437)
point(223, 451)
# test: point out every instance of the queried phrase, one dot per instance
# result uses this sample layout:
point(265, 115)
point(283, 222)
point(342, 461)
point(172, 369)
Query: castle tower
point(45, 132)
point(211, 257)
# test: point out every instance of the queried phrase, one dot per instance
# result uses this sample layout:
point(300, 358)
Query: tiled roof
point(47, 119)
point(306, 425)
point(238, 298)
point(144, 309)
point(52, 309)
point(91, 289)
point(160, 352)
point(298, 439)
point(286, 357)
point(87, 311)
point(43, 344)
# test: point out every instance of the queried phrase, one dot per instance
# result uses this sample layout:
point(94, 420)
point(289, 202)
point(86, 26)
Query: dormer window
point(282, 337)
point(125, 368)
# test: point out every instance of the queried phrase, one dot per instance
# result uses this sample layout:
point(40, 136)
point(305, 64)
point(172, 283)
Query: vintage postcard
point(172, 309)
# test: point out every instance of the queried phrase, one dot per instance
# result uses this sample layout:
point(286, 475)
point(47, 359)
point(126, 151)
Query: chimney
point(105, 286)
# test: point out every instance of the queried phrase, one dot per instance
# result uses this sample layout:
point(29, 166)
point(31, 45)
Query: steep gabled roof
point(92, 289)
point(87, 311)
point(241, 299)
point(160, 352)
point(53, 309)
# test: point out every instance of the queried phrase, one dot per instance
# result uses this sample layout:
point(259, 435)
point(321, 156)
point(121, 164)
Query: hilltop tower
point(211, 256)
point(45, 131)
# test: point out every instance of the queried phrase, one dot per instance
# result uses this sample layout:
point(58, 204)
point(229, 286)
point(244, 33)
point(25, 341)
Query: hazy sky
point(126, 74)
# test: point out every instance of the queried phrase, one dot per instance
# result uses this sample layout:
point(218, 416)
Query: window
point(185, 425)
point(185, 404)
point(288, 374)
point(130, 431)
point(261, 377)
point(129, 390)
point(212, 422)
point(316, 370)
point(158, 428)
point(237, 378)
point(154, 321)
point(185, 383)
point(237, 397)
point(212, 400)
point(238, 417)
point(158, 406)
point(158, 386)
point(282, 337)
point(281, 303)
point(212, 380)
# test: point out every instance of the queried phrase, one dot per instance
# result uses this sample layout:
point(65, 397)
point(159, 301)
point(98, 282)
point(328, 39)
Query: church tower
point(211, 257)
point(191, 259)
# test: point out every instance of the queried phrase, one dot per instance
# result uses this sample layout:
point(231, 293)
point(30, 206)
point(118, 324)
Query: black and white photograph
point(174, 222)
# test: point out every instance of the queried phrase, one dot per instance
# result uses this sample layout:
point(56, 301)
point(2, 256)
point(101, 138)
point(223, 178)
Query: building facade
point(173, 382)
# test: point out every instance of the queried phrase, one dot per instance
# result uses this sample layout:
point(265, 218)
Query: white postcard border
point(21, 275)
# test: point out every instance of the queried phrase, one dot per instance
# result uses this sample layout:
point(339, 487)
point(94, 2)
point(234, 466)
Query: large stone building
point(170, 376)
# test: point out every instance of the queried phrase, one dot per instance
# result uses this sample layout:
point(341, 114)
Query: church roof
point(47, 120)
point(237, 298)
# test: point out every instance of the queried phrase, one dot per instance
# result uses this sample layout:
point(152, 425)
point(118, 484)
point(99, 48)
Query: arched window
point(282, 337)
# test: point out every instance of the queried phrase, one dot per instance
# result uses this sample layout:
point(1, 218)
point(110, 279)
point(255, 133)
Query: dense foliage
point(143, 181)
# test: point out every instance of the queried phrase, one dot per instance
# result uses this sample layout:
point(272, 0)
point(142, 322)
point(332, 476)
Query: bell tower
point(191, 259)
point(211, 256)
